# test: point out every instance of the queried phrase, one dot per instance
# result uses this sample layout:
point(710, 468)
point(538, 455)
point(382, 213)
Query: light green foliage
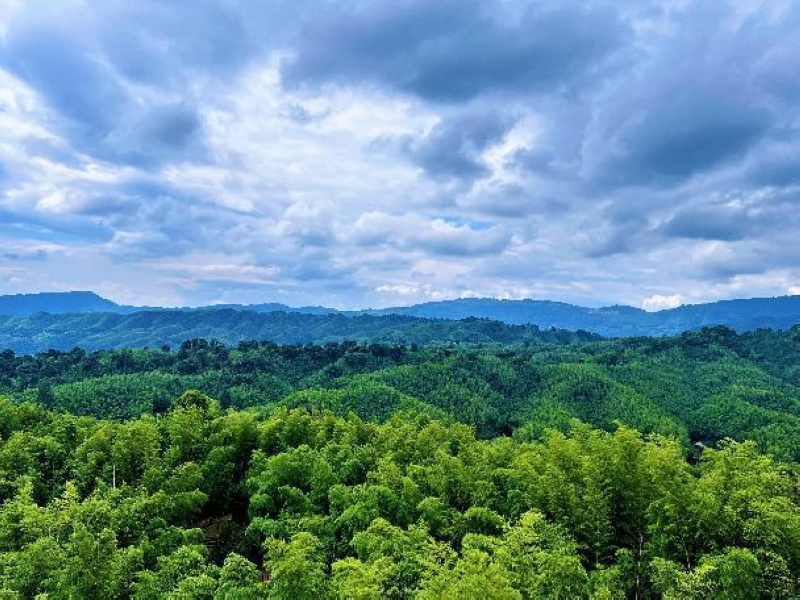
point(296, 568)
point(703, 386)
point(239, 579)
point(733, 575)
point(387, 474)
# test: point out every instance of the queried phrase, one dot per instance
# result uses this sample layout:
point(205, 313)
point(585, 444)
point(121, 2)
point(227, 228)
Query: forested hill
point(339, 471)
point(204, 503)
point(617, 321)
point(610, 321)
point(433, 458)
point(700, 386)
point(93, 331)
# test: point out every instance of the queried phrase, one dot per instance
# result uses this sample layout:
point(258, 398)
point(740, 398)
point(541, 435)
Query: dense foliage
point(155, 328)
point(356, 470)
point(205, 503)
point(701, 386)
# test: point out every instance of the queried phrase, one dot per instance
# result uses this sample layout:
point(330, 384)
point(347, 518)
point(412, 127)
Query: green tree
point(296, 568)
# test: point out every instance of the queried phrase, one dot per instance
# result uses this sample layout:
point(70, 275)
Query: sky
point(363, 153)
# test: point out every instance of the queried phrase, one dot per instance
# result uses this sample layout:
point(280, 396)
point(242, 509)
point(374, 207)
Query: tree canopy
point(211, 503)
point(642, 468)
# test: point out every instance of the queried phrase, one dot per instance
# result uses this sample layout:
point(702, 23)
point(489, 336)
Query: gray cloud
point(776, 164)
point(357, 152)
point(158, 40)
point(439, 237)
point(159, 134)
point(682, 125)
point(24, 255)
point(66, 73)
point(86, 72)
point(39, 227)
point(453, 148)
point(695, 102)
point(540, 161)
point(714, 223)
point(455, 50)
point(679, 138)
point(100, 115)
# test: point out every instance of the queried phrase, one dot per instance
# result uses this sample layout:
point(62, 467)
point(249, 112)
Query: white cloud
point(415, 233)
point(658, 302)
point(312, 193)
point(402, 290)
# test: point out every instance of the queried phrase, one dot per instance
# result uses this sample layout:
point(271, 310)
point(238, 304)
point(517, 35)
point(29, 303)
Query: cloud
point(28, 252)
point(440, 237)
point(157, 135)
point(695, 102)
point(52, 62)
point(511, 201)
point(122, 93)
point(665, 133)
point(777, 164)
point(709, 223)
point(402, 290)
point(355, 153)
point(658, 302)
point(100, 116)
point(455, 50)
point(454, 147)
point(686, 137)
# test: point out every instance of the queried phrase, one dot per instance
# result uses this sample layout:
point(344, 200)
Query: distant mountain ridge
point(611, 321)
point(79, 302)
point(20, 305)
point(619, 320)
point(154, 329)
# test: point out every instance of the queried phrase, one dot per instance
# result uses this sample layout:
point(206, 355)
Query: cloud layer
point(363, 154)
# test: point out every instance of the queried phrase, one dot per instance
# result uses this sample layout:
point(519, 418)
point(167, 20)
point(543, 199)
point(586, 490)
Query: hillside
point(617, 321)
point(609, 321)
point(564, 468)
point(700, 386)
point(559, 469)
point(56, 303)
point(93, 331)
point(205, 503)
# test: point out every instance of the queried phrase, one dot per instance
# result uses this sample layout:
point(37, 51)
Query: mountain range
point(611, 321)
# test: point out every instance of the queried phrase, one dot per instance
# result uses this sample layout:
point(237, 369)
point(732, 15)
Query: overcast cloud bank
point(360, 153)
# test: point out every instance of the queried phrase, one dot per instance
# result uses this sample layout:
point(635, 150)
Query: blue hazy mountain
point(270, 307)
point(616, 321)
point(56, 303)
point(612, 321)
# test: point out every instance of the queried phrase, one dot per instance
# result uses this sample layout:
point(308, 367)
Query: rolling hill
point(610, 321)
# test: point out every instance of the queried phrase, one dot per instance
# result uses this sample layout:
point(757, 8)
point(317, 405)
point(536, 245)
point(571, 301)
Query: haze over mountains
point(24, 313)
point(57, 303)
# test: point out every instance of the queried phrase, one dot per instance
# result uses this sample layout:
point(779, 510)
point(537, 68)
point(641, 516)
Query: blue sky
point(361, 153)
